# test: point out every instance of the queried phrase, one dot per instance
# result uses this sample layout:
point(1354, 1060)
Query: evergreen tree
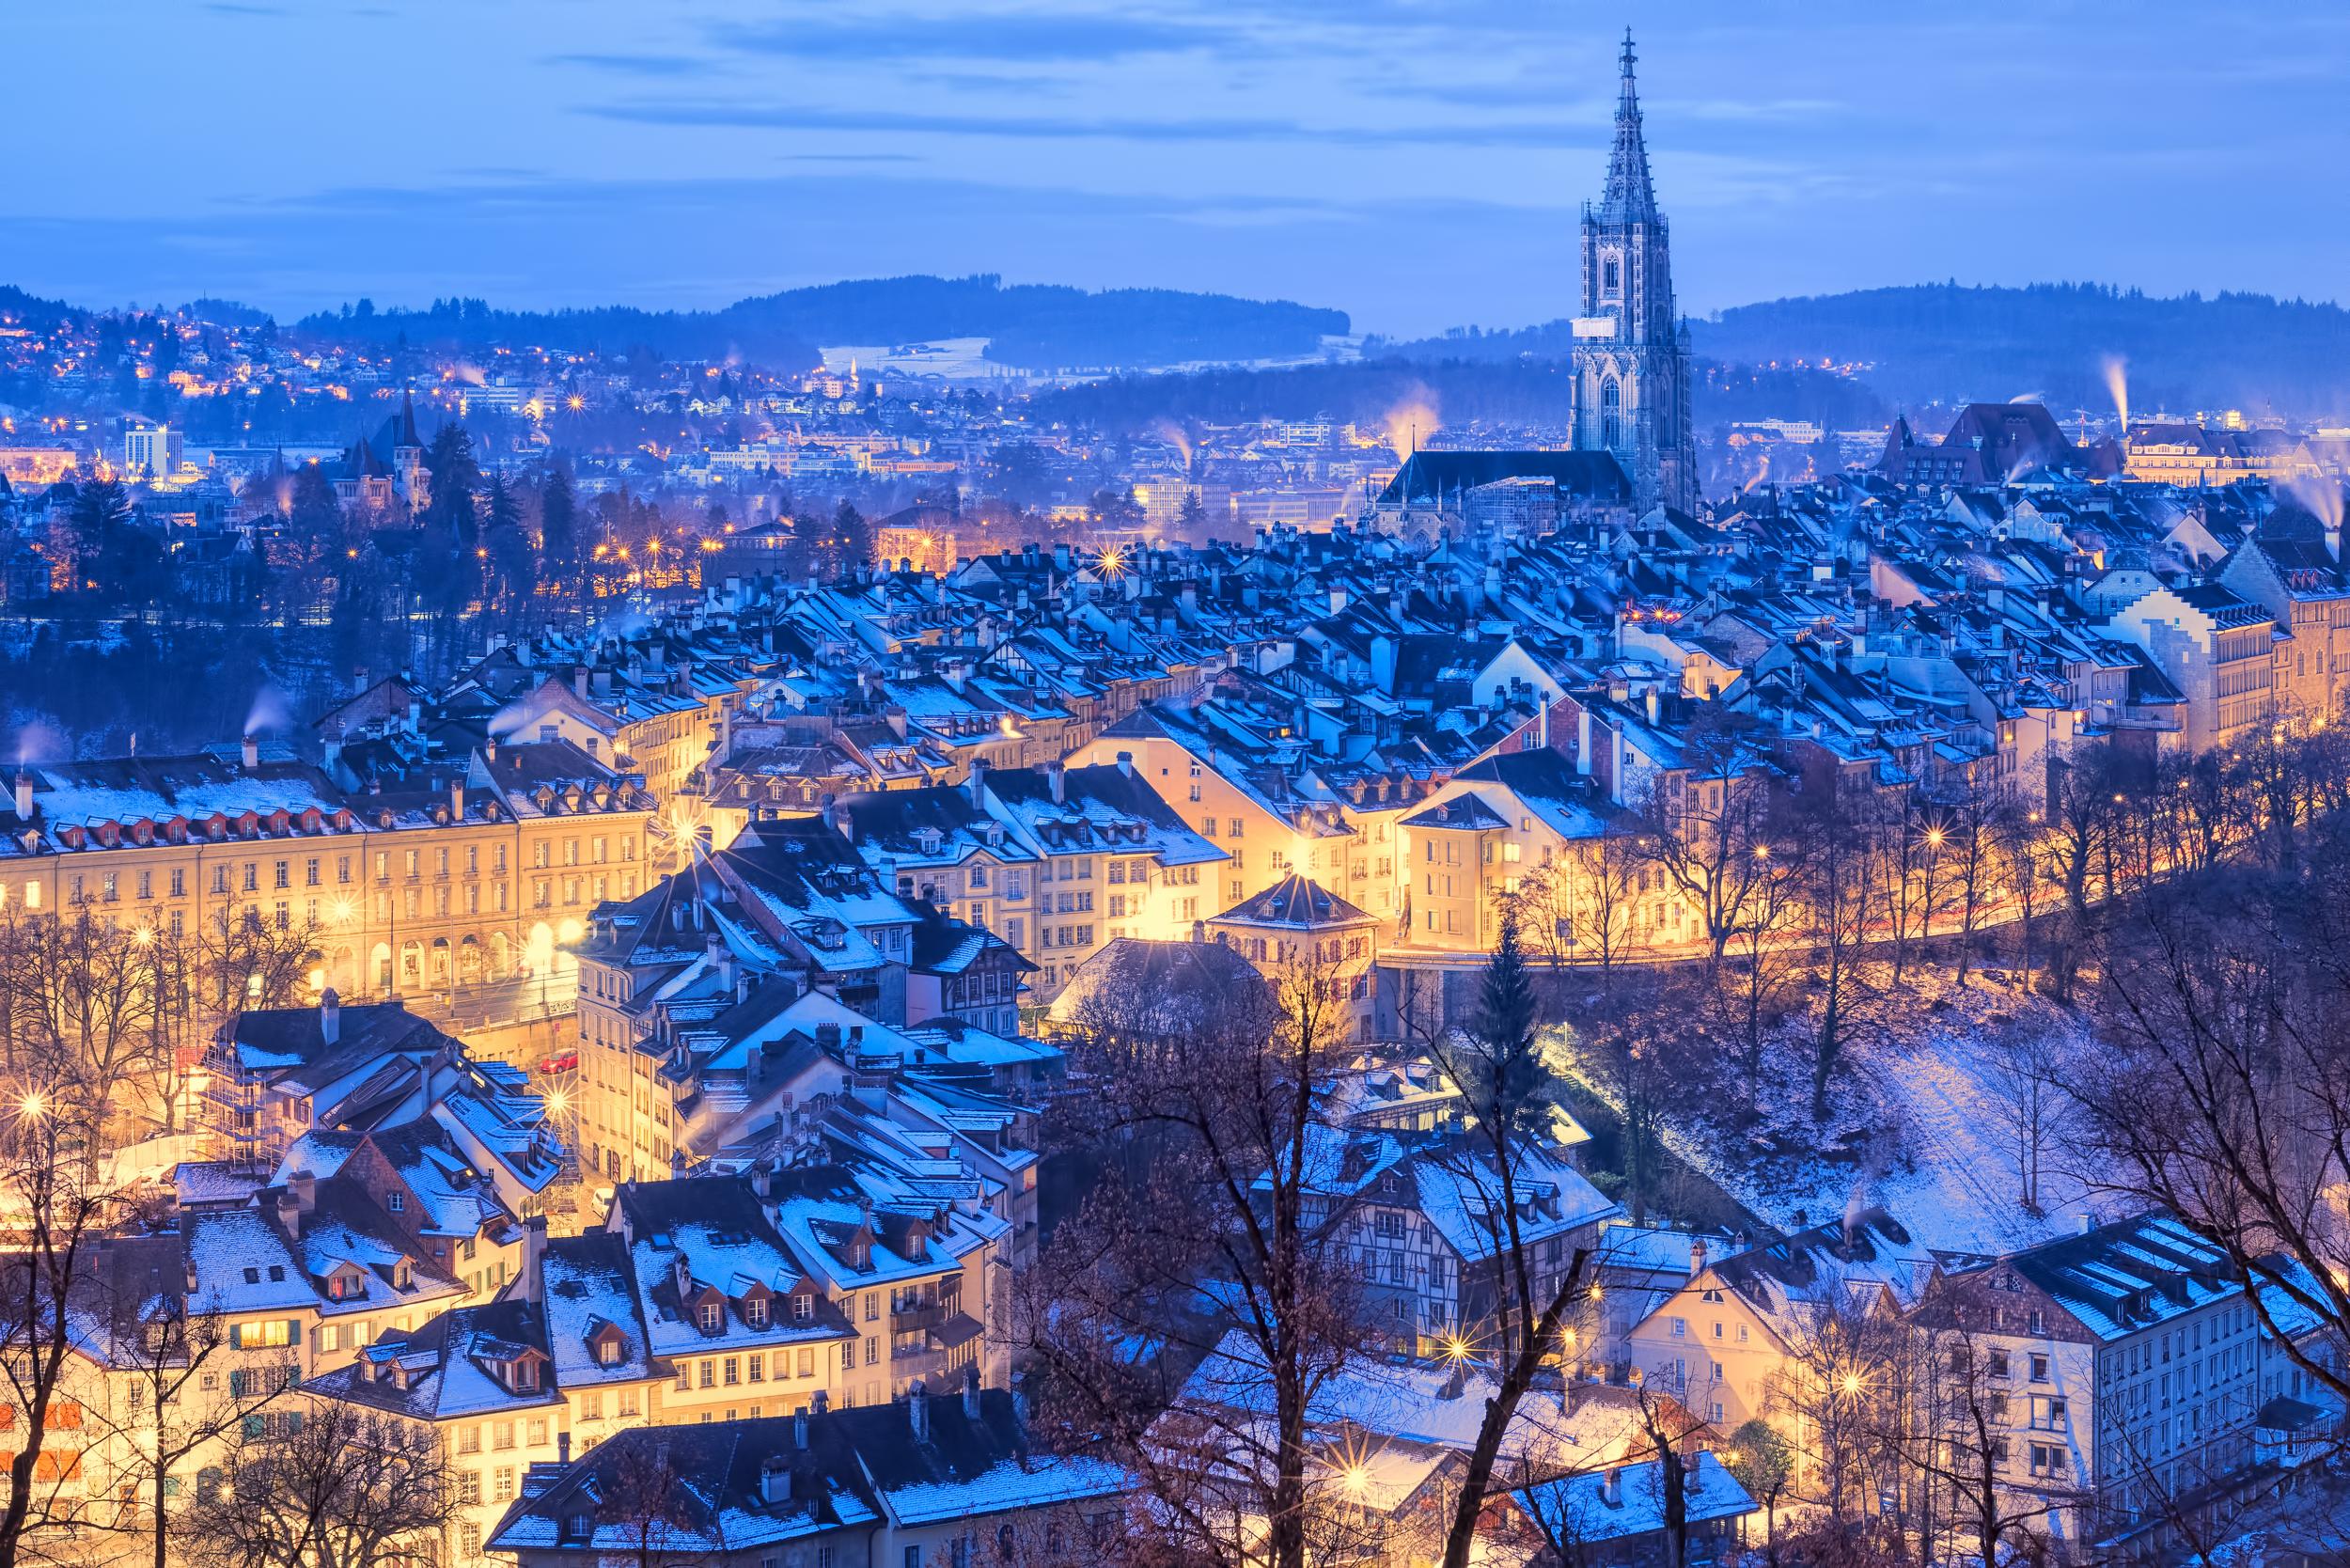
point(1506, 1025)
point(101, 513)
point(850, 543)
point(455, 475)
point(558, 522)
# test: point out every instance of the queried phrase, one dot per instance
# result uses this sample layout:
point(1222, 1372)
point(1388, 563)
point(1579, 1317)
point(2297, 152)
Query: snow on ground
point(1920, 1120)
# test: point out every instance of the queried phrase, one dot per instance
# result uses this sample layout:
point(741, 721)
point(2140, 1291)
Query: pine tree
point(1506, 1025)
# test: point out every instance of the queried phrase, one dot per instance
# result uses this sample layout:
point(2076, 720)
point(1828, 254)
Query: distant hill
point(1032, 326)
point(16, 305)
point(1947, 342)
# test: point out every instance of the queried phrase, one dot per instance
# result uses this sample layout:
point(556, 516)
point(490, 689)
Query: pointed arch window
point(1611, 276)
point(1610, 399)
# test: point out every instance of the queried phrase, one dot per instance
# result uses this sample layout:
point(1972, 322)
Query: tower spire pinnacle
point(1629, 196)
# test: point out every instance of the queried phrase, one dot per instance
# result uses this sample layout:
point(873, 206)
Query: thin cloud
point(774, 117)
point(1033, 39)
point(637, 65)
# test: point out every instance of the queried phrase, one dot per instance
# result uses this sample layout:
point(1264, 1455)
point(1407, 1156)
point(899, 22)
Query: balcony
point(927, 1314)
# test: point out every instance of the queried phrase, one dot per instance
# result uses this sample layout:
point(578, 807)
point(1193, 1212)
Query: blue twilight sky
point(1417, 162)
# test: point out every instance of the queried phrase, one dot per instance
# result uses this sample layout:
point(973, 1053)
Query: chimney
point(331, 753)
point(919, 1411)
point(330, 1016)
point(1126, 763)
point(579, 682)
point(1612, 1487)
point(971, 1392)
point(799, 1428)
point(252, 753)
point(2082, 1222)
point(303, 1185)
point(457, 797)
point(1696, 1256)
point(1058, 775)
point(415, 717)
point(1655, 704)
point(562, 1448)
point(775, 1480)
point(529, 1283)
point(976, 783)
point(24, 794)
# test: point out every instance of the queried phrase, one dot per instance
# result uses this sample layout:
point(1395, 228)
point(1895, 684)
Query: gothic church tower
point(1631, 350)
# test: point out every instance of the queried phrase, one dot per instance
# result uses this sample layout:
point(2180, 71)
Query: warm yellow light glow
point(1762, 851)
point(569, 931)
point(1357, 1479)
point(1851, 1383)
point(33, 1104)
point(559, 1102)
point(1934, 836)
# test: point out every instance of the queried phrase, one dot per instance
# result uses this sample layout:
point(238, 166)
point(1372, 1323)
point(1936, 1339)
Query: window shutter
point(236, 1336)
point(294, 1331)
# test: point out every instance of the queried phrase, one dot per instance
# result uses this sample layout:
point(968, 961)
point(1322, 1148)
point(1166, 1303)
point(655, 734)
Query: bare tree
point(1702, 831)
point(2082, 796)
point(2021, 866)
point(2223, 1093)
point(56, 1206)
point(332, 1486)
point(1958, 1445)
point(2028, 1070)
point(1765, 963)
point(156, 1349)
point(1842, 897)
point(1212, 1213)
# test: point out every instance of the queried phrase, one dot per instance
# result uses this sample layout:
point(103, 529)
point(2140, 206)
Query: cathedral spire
point(1629, 198)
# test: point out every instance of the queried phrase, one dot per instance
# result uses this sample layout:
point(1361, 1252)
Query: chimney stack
point(1058, 775)
point(24, 795)
point(1696, 1256)
point(971, 1392)
point(919, 1411)
point(252, 752)
point(1126, 763)
point(330, 1016)
point(1612, 1487)
point(976, 783)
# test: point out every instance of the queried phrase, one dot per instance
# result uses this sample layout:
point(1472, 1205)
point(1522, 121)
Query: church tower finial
point(1629, 196)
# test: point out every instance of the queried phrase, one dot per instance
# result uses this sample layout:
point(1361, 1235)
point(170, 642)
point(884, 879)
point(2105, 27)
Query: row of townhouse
point(2122, 1373)
point(411, 882)
point(716, 1300)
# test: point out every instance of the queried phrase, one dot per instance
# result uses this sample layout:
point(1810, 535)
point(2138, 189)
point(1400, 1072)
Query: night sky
point(1417, 164)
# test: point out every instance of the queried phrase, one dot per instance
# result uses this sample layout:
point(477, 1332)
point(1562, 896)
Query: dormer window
point(609, 1351)
point(712, 1316)
point(397, 1202)
point(522, 1377)
point(802, 1307)
point(402, 1274)
point(755, 1313)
